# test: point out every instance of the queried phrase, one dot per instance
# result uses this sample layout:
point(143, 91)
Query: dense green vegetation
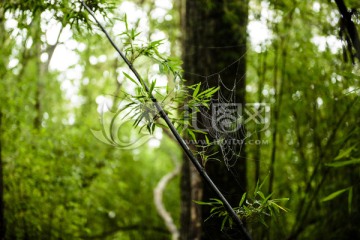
point(61, 80)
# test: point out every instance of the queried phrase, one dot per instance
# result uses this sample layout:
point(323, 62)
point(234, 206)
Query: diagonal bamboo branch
point(179, 139)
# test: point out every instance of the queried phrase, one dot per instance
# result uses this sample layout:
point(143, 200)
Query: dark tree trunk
point(214, 38)
point(350, 27)
point(39, 70)
point(2, 74)
point(2, 217)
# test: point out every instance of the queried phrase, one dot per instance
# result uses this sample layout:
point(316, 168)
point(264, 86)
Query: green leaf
point(202, 203)
point(224, 222)
point(152, 86)
point(256, 188)
point(216, 201)
point(242, 199)
point(156, 43)
point(247, 210)
point(281, 199)
point(130, 78)
point(199, 131)
point(209, 94)
point(277, 206)
point(344, 153)
point(215, 210)
point(134, 34)
point(343, 163)
point(126, 23)
point(261, 194)
point(334, 195)
point(267, 198)
point(138, 120)
point(150, 127)
point(196, 90)
point(192, 134)
point(263, 182)
point(207, 140)
point(206, 105)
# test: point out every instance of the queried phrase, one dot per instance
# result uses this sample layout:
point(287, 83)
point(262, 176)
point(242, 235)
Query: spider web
point(223, 120)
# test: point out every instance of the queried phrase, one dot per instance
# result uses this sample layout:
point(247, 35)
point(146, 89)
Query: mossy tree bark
point(214, 37)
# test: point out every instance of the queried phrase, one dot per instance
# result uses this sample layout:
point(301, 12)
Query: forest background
point(62, 177)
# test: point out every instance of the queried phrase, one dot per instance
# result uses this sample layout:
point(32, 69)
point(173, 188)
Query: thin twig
point(180, 140)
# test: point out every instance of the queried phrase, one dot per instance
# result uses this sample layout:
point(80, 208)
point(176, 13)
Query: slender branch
point(180, 140)
point(51, 49)
point(276, 116)
point(158, 200)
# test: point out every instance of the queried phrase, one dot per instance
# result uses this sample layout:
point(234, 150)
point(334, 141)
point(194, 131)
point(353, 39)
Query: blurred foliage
point(60, 182)
point(314, 94)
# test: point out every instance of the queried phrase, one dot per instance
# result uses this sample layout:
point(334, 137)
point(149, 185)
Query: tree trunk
point(2, 216)
point(2, 74)
point(350, 26)
point(214, 38)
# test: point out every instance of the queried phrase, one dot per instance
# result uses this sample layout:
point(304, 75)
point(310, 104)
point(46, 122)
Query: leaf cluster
point(134, 48)
point(252, 209)
point(339, 162)
point(66, 11)
point(140, 104)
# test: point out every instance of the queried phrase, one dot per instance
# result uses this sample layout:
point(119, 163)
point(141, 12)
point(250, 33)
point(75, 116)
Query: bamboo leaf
point(263, 182)
point(267, 198)
point(202, 203)
point(199, 131)
point(216, 201)
point(192, 134)
point(212, 92)
point(126, 23)
point(344, 153)
point(334, 195)
point(224, 222)
point(277, 207)
point(281, 199)
point(196, 90)
point(256, 188)
point(130, 78)
point(261, 194)
point(152, 86)
point(343, 163)
point(207, 140)
point(242, 199)
point(216, 210)
point(209, 92)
